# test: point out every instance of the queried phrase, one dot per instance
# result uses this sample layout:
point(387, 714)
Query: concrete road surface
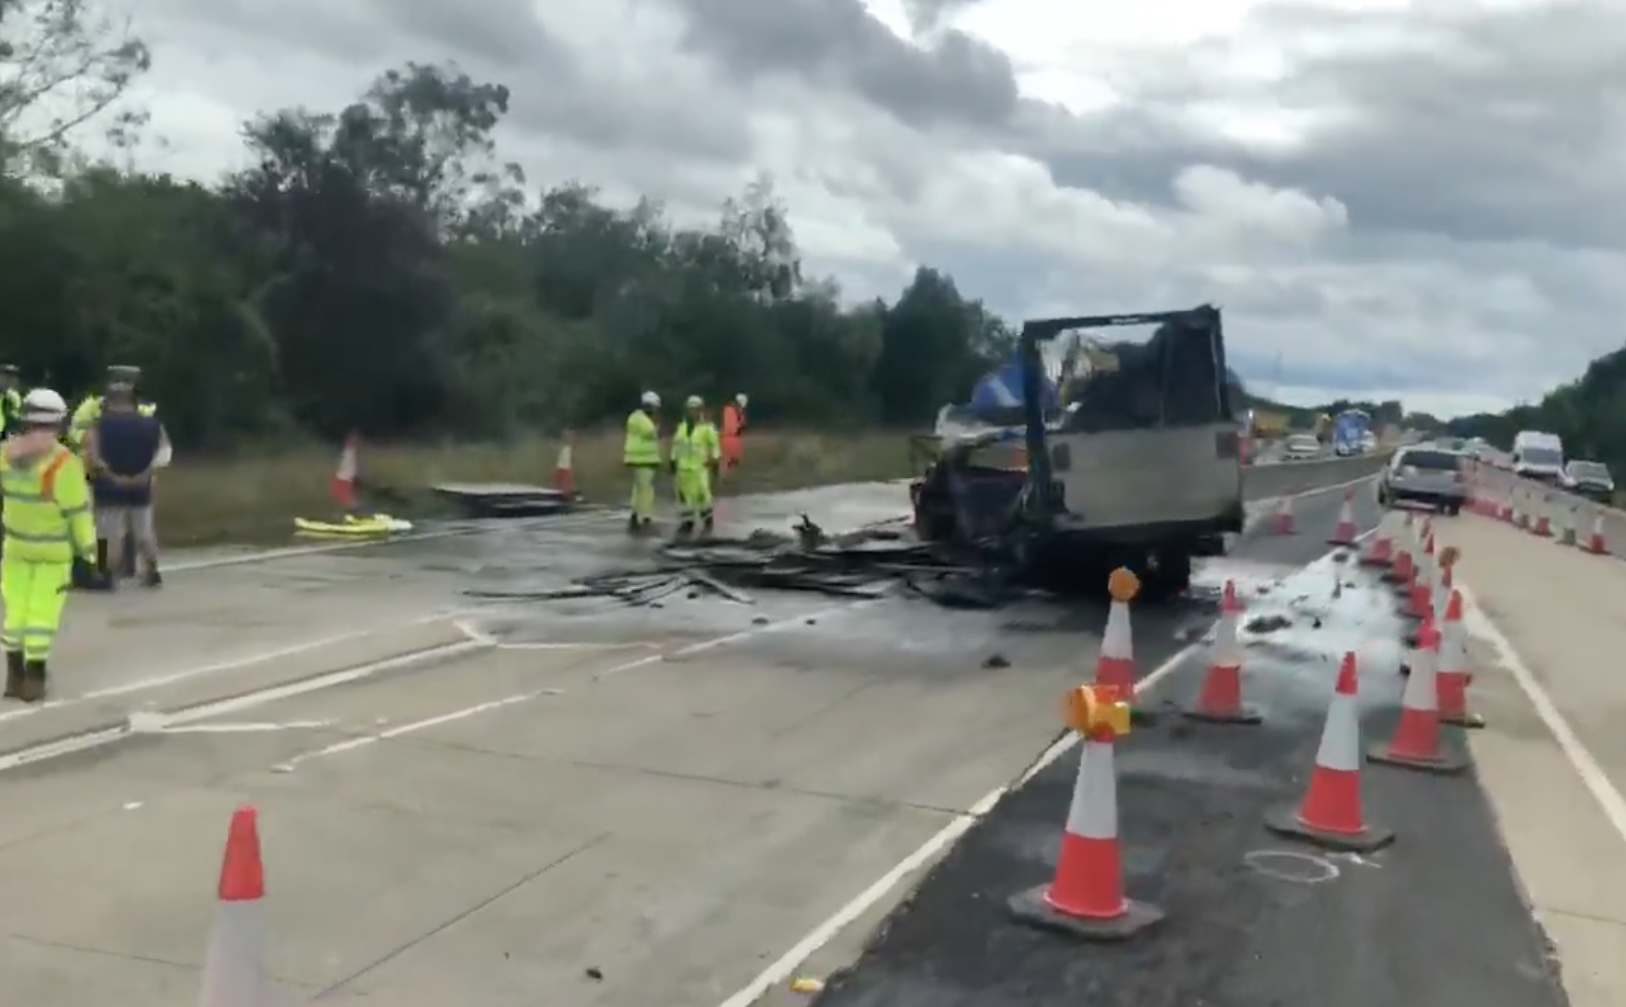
point(1550, 638)
point(1436, 920)
point(513, 805)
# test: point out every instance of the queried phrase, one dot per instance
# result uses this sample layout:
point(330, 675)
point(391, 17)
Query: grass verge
point(253, 498)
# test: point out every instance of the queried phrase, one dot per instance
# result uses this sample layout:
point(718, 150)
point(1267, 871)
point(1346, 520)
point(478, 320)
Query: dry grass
point(254, 498)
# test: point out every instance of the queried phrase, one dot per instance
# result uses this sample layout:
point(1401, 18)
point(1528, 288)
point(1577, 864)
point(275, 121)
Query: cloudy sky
point(1422, 200)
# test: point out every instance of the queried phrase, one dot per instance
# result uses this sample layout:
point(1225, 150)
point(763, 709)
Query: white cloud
point(1301, 273)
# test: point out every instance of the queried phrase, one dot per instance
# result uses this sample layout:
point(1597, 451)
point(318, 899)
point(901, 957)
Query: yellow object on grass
point(352, 526)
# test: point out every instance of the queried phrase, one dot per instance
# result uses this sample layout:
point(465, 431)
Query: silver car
point(1427, 475)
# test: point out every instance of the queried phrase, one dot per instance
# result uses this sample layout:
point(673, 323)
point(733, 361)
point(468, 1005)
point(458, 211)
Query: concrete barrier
point(1283, 478)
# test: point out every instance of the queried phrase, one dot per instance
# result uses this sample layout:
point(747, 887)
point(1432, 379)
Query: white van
point(1538, 455)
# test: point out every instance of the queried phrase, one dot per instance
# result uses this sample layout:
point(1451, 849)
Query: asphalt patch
point(1435, 920)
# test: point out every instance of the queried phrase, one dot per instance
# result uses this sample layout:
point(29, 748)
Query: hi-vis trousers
point(643, 492)
point(34, 595)
point(694, 494)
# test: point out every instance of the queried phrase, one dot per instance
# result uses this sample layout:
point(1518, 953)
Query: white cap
point(42, 405)
point(741, 399)
point(651, 400)
point(693, 402)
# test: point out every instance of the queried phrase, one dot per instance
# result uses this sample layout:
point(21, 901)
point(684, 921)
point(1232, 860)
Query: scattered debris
point(806, 985)
point(866, 563)
point(1268, 623)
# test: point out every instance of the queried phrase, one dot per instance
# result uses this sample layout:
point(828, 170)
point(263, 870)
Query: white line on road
point(1586, 765)
point(783, 969)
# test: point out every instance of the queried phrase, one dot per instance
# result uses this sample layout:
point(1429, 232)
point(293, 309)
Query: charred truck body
point(1132, 457)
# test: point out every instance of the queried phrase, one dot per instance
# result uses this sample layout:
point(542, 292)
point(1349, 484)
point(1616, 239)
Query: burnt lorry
point(1126, 453)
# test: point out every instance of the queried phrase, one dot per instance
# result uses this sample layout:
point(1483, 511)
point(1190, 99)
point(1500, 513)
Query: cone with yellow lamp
point(1115, 664)
point(1085, 898)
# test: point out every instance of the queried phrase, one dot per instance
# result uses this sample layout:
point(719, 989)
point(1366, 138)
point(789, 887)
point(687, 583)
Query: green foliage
point(1589, 414)
point(380, 268)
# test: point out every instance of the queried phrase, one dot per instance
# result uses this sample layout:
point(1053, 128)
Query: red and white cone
point(1381, 551)
point(1220, 699)
point(1330, 814)
point(1543, 527)
point(1596, 544)
point(1086, 896)
point(1345, 532)
point(1416, 741)
point(234, 965)
point(1283, 523)
point(1521, 509)
point(1453, 673)
point(1115, 664)
point(342, 487)
point(564, 469)
point(1420, 592)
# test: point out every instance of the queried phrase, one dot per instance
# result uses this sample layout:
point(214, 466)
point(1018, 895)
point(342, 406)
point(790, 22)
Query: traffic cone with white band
point(1453, 674)
point(1115, 665)
point(1283, 523)
point(1382, 550)
point(1596, 544)
point(1345, 532)
point(1086, 896)
point(1416, 741)
point(234, 965)
point(1330, 814)
point(1220, 699)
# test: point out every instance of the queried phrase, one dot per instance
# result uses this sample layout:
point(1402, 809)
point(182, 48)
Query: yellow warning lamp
point(1090, 708)
point(1123, 585)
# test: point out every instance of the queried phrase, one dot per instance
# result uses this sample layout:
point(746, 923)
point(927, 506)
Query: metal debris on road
point(866, 563)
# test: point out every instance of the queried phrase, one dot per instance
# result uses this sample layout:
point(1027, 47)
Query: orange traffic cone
point(1381, 552)
point(1416, 741)
point(1345, 532)
point(1283, 524)
point(1453, 675)
point(1086, 896)
point(1330, 814)
point(1420, 591)
point(564, 472)
point(234, 966)
point(1115, 665)
point(342, 487)
point(1596, 544)
point(1220, 699)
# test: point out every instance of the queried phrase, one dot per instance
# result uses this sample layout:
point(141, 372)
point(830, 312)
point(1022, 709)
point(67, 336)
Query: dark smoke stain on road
point(1437, 920)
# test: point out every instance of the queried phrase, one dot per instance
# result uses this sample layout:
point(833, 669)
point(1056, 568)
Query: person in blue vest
point(125, 446)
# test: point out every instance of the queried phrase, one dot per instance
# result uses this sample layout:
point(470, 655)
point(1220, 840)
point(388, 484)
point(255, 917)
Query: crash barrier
point(1543, 510)
point(1086, 897)
point(1285, 478)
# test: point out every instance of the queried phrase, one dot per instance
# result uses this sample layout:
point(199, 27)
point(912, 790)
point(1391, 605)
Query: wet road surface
point(1436, 919)
point(564, 805)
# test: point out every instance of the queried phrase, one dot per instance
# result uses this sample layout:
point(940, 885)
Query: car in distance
point(1424, 474)
point(1590, 480)
point(1302, 447)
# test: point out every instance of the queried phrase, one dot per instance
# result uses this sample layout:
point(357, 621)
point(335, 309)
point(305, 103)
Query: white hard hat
point(44, 406)
point(693, 402)
point(741, 399)
point(651, 400)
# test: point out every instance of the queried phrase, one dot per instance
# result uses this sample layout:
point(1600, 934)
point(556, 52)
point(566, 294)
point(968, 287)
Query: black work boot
point(708, 525)
point(634, 526)
point(152, 578)
point(14, 674)
point(685, 529)
point(33, 683)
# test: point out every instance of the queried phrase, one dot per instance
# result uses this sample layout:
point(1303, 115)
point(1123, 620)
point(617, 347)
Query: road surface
point(515, 805)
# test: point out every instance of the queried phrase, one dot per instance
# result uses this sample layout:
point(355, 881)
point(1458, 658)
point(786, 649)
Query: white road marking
point(232, 664)
point(702, 646)
point(783, 969)
point(1586, 765)
point(563, 522)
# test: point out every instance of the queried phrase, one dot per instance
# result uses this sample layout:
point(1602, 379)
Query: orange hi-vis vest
point(733, 436)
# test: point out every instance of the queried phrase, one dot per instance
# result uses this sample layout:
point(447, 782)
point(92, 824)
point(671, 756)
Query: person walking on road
point(123, 450)
point(695, 457)
point(733, 439)
point(641, 454)
point(48, 525)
